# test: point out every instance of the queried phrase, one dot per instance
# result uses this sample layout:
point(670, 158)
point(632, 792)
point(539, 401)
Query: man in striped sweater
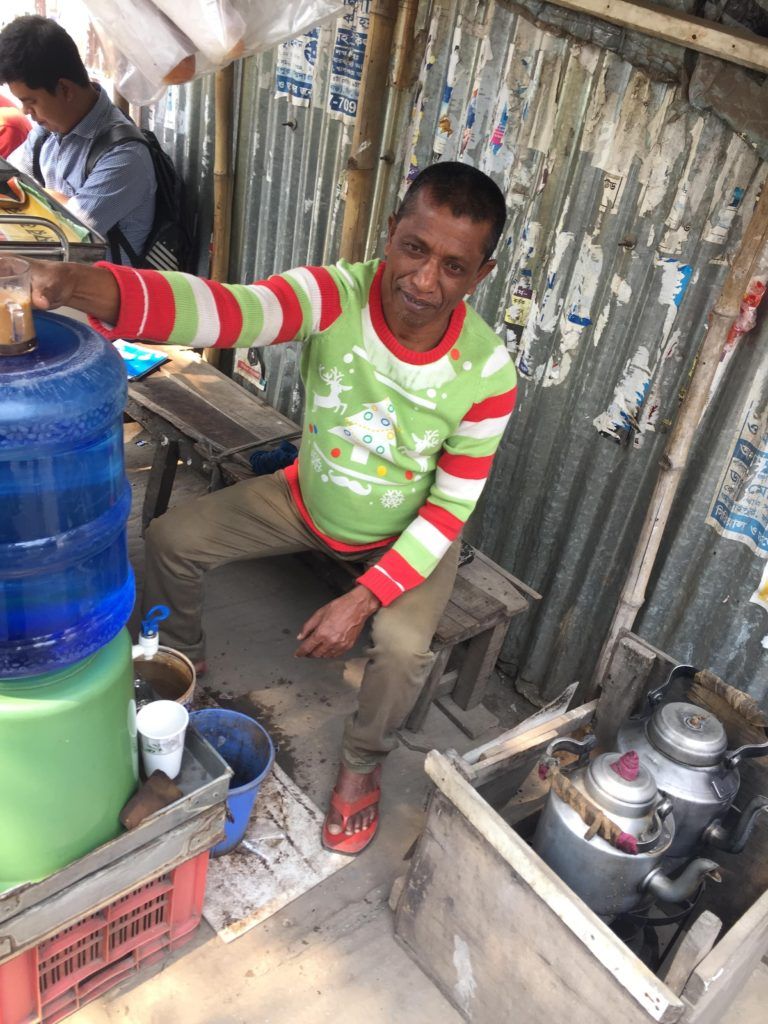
point(408, 393)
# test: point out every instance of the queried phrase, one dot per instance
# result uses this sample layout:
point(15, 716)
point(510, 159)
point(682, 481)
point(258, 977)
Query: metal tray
point(204, 781)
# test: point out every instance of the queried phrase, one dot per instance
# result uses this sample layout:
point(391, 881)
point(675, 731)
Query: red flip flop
point(357, 842)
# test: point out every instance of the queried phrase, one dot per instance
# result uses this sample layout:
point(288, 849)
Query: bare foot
point(201, 667)
point(350, 786)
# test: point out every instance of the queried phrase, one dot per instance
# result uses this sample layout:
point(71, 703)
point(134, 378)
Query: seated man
point(408, 393)
point(14, 127)
point(43, 69)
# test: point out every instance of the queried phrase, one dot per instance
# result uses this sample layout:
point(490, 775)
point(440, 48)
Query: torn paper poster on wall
point(760, 596)
point(412, 167)
point(621, 417)
point(740, 507)
point(347, 59)
point(295, 70)
point(675, 278)
point(444, 128)
point(577, 312)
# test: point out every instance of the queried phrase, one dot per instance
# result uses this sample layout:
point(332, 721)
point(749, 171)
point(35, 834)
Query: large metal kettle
point(609, 879)
point(685, 747)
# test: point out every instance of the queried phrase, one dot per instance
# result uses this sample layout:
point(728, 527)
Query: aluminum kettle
point(608, 879)
point(685, 748)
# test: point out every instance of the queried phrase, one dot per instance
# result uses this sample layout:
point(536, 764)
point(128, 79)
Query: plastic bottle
point(66, 586)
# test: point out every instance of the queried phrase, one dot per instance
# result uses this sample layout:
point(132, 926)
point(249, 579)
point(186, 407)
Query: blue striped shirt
point(120, 189)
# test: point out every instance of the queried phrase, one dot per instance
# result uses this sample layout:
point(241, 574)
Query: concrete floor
point(330, 956)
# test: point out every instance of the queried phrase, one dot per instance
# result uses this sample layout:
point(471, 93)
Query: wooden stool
point(468, 641)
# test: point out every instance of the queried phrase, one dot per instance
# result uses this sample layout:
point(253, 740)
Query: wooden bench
point(197, 414)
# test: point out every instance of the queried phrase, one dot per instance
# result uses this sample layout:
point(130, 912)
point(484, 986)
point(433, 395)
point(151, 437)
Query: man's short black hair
point(38, 52)
point(466, 192)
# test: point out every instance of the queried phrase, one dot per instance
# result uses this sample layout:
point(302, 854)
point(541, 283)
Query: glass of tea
point(17, 330)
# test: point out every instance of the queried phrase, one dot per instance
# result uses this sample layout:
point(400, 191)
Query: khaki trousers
point(257, 519)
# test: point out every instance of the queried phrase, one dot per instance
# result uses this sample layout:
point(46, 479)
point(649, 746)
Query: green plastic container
point(68, 762)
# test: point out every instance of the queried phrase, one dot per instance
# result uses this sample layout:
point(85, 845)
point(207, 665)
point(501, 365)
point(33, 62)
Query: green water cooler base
point(68, 762)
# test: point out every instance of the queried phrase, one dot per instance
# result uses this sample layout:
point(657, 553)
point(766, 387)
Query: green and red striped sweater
point(396, 445)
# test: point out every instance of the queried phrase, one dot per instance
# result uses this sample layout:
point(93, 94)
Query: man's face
point(434, 259)
point(52, 111)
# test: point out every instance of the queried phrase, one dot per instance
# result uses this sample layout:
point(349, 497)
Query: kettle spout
point(735, 841)
point(677, 890)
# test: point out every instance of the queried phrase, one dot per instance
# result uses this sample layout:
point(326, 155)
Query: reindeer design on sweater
point(427, 443)
point(333, 379)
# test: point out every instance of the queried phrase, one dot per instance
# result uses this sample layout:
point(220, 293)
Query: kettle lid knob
point(628, 766)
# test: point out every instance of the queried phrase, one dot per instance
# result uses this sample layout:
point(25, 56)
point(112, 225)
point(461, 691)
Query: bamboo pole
point(222, 183)
point(366, 137)
point(673, 462)
point(222, 172)
point(398, 87)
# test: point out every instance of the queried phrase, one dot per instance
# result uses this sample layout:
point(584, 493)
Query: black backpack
point(169, 243)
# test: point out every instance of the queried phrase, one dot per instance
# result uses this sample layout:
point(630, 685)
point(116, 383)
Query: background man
point(43, 69)
point(408, 393)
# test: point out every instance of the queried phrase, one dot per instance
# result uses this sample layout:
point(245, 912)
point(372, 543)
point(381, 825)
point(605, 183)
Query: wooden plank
point(733, 44)
point(556, 956)
point(503, 758)
point(475, 602)
point(499, 571)
point(721, 976)
point(689, 950)
point(190, 380)
point(205, 405)
point(538, 720)
point(489, 577)
point(479, 661)
point(625, 684)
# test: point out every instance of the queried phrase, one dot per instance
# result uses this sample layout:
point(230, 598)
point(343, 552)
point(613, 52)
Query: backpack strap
point(111, 136)
point(118, 241)
point(37, 148)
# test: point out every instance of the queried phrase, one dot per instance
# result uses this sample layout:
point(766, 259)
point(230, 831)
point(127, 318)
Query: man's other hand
point(92, 290)
point(53, 284)
point(334, 628)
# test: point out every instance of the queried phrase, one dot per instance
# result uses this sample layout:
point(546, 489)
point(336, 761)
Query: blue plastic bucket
point(248, 750)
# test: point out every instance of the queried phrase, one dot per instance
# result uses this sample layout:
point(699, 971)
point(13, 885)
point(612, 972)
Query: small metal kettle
point(608, 879)
point(685, 747)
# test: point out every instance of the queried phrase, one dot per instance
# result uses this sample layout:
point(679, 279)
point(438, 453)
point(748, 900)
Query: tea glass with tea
point(17, 329)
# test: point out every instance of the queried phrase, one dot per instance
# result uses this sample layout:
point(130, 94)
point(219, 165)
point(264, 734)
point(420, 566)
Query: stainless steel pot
point(685, 748)
point(609, 880)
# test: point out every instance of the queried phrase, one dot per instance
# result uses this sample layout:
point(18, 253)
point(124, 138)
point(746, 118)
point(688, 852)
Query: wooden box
point(506, 940)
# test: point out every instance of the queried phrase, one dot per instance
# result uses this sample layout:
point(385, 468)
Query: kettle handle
point(734, 757)
point(678, 672)
point(571, 746)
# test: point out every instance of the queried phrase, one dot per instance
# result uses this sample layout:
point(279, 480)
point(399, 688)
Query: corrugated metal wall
point(625, 205)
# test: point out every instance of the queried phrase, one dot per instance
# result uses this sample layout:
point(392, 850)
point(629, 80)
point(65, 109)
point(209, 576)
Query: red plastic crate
point(47, 983)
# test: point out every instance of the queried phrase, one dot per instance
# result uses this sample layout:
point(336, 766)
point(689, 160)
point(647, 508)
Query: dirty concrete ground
point(330, 956)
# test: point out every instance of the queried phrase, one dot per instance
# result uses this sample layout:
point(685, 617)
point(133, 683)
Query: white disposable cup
point(161, 726)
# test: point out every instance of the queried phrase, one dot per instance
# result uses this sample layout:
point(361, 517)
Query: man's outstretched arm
point(92, 290)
